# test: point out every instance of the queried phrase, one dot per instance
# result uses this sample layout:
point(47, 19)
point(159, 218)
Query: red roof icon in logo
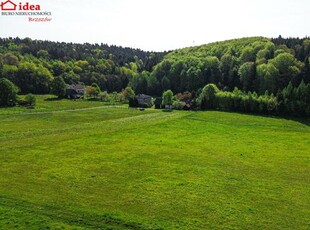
point(8, 5)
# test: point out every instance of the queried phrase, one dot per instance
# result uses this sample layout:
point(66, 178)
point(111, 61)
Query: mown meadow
point(82, 165)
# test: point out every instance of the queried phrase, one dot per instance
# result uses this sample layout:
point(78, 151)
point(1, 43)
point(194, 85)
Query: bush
point(115, 98)
point(8, 93)
point(22, 102)
point(128, 93)
point(103, 96)
point(178, 105)
point(30, 99)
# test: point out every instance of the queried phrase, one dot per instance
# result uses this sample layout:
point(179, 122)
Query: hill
point(33, 64)
point(251, 64)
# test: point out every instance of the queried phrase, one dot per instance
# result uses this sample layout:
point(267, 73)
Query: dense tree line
point(72, 51)
point(33, 64)
point(290, 100)
point(279, 66)
point(294, 100)
point(256, 65)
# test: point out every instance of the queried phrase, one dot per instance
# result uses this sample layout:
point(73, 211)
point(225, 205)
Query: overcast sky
point(161, 24)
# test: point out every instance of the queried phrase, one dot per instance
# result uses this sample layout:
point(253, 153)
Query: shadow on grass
point(53, 99)
point(78, 218)
point(301, 119)
point(93, 99)
point(167, 110)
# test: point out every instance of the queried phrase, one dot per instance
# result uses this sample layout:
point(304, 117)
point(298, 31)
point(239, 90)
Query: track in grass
point(128, 169)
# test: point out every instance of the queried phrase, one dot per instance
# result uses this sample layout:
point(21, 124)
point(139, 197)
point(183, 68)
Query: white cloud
point(162, 24)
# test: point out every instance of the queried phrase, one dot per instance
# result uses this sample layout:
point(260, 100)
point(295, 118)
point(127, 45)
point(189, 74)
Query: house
point(158, 103)
point(8, 5)
point(75, 91)
point(144, 101)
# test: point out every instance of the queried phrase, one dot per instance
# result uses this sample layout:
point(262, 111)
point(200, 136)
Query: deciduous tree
point(8, 93)
point(167, 98)
point(58, 87)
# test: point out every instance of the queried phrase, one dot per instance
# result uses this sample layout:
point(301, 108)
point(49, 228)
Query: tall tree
point(247, 75)
point(8, 93)
point(58, 87)
point(167, 98)
point(268, 76)
point(288, 67)
point(207, 98)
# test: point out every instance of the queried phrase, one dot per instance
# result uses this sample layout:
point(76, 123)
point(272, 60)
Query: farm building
point(144, 100)
point(75, 91)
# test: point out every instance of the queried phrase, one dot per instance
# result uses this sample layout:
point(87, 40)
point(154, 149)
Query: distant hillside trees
point(29, 77)
point(253, 71)
point(32, 64)
point(252, 64)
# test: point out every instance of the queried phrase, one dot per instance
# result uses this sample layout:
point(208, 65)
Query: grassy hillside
point(117, 168)
point(48, 103)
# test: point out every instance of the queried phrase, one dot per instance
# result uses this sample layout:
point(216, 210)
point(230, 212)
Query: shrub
point(115, 98)
point(103, 96)
point(178, 105)
point(128, 93)
point(8, 93)
point(22, 102)
point(30, 99)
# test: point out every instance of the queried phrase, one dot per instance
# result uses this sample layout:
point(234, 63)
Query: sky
point(158, 25)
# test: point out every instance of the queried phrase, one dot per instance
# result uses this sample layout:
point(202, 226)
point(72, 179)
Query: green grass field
point(47, 103)
point(68, 165)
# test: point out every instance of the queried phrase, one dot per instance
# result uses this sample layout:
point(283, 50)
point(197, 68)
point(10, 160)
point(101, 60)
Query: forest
point(255, 74)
